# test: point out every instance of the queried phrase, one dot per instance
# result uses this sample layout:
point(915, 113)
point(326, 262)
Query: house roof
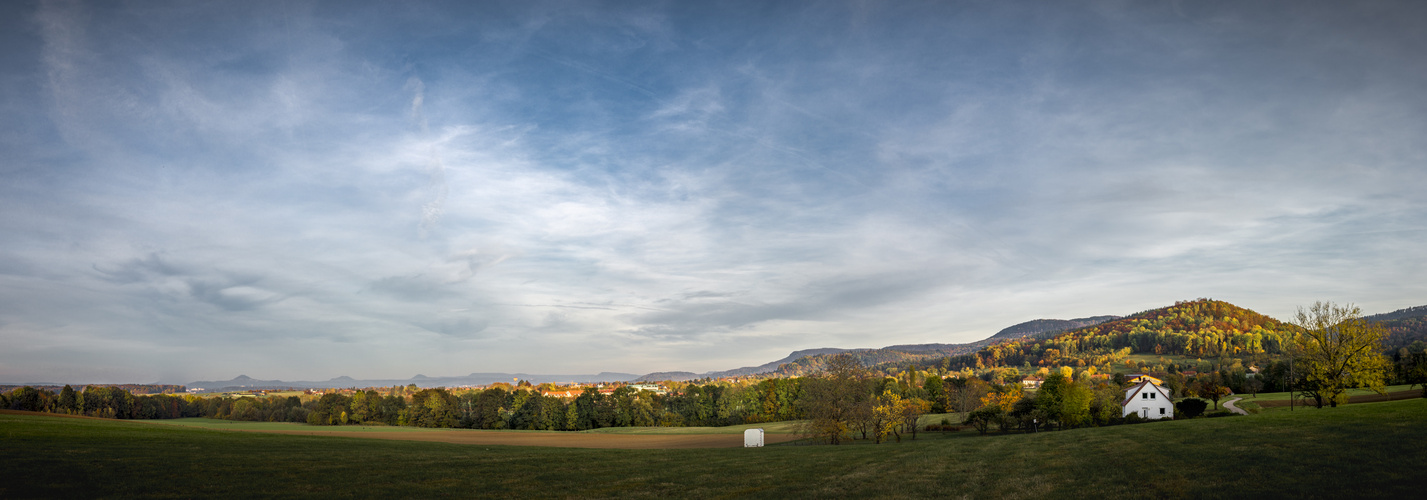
point(1138, 388)
point(1140, 376)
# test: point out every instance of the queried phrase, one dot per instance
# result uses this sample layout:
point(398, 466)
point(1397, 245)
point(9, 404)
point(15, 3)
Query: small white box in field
point(753, 438)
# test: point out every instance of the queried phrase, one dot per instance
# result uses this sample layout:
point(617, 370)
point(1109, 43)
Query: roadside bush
point(1221, 413)
point(1190, 407)
point(944, 426)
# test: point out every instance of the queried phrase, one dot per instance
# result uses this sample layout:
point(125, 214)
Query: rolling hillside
point(1198, 328)
point(1404, 326)
point(1042, 327)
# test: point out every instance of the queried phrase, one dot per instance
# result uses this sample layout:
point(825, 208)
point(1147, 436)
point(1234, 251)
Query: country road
point(1230, 406)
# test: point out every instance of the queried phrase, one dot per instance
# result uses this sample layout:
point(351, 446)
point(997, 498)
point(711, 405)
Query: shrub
point(1221, 413)
point(1190, 407)
point(944, 427)
point(982, 418)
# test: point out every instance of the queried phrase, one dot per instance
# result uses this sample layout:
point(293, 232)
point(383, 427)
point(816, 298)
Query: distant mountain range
point(868, 355)
point(246, 382)
point(1410, 312)
point(797, 362)
point(909, 352)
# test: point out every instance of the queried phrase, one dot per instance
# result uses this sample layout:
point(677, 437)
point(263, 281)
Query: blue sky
point(193, 190)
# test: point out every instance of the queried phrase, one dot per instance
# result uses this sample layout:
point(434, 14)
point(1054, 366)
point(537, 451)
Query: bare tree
point(830, 399)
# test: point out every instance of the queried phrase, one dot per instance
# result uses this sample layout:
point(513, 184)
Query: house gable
point(1149, 400)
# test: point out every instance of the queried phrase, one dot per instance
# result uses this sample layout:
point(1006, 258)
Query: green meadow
point(239, 425)
point(1155, 359)
point(1362, 450)
point(1283, 396)
point(769, 427)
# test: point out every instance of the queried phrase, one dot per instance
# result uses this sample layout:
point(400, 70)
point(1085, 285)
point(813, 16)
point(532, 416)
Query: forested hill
point(900, 356)
point(1408, 313)
point(1038, 327)
point(1198, 328)
point(1404, 326)
point(808, 365)
point(769, 367)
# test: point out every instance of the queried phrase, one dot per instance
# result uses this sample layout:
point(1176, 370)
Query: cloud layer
point(299, 191)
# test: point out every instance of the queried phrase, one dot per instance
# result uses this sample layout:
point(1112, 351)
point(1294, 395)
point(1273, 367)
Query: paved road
point(1230, 406)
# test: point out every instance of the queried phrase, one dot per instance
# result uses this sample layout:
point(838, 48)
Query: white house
point(1032, 382)
point(1149, 400)
point(654, 388)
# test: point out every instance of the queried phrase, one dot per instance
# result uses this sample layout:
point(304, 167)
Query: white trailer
point(753, 438)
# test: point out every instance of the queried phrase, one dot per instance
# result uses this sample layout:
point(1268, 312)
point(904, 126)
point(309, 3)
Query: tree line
point(504, 407)
point(1332, 349)
point(498, 407)
point(100, 401)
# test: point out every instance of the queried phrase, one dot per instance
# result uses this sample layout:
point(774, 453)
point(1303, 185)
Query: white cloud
point(576, 190)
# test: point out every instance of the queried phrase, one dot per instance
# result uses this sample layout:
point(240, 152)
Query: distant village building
point(1032, 382)
point(654, 388)
point(1148, 400)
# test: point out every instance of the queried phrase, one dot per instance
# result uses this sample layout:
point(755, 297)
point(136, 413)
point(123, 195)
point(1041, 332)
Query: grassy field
point(769, 428)
point(1283, 396)
point(236, 425)
point(623, 438)
point(1154, 359)
point(1364, 450)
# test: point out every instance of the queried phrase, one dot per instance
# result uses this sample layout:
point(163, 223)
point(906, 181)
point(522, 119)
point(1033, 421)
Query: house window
point(1151, 395)
point(1144, 396)
point(1161, 411)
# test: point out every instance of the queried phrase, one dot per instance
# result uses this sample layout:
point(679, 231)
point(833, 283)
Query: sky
point(299, 191)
